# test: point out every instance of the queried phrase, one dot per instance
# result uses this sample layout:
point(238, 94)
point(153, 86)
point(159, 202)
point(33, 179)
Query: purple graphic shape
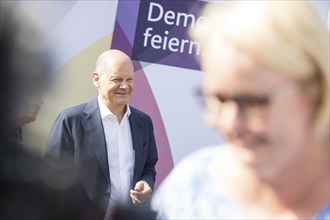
point(120, 40)
point(126, 17)
point(127, 13)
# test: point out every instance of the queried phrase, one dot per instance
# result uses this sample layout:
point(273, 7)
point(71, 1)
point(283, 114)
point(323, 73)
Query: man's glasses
point(252, 109)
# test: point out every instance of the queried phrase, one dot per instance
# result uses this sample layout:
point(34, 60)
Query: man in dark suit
point(107, 143)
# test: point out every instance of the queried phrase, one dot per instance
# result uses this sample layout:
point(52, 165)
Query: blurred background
point(78, 31)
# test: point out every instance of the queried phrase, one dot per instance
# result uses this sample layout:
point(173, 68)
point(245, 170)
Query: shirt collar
point(105, 111)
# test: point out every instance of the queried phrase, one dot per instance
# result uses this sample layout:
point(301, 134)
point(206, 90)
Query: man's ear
point(96, 79)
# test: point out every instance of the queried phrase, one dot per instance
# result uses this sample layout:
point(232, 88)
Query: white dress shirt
point(121, 156)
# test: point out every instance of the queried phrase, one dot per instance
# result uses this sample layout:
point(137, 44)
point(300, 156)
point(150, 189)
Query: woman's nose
point(230, 121)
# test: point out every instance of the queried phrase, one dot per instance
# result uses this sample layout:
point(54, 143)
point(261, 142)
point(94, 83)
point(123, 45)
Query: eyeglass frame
point(244, 101)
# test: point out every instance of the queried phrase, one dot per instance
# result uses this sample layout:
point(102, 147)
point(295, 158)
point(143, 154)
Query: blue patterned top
point(196, 190)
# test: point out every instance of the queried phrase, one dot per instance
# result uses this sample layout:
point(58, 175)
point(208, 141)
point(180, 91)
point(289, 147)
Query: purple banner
point(161, 34)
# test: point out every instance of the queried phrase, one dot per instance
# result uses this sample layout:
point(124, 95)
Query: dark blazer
point(76, 145)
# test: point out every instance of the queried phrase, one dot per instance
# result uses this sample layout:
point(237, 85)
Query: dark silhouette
point(30, 189)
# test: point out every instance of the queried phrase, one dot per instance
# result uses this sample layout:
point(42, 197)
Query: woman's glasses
point(252, 109)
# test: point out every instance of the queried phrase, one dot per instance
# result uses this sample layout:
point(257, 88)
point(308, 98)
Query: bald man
point(109, 144)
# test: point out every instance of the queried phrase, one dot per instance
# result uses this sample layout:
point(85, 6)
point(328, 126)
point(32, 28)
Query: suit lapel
point(94, 130)
point(138, 139)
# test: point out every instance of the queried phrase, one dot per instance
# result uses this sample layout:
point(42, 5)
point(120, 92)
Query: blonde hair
point(287, 36)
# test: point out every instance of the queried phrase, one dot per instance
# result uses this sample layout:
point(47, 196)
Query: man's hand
point(141, 192)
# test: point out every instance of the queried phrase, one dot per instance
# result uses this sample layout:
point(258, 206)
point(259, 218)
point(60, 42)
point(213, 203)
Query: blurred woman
point(266, 90)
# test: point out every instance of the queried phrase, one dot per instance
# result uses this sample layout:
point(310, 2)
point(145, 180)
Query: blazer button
point(107, 195)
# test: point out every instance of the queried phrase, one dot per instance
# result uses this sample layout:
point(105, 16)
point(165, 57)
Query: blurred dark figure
point(128, 212)
point(25, 64)
point(29, 188)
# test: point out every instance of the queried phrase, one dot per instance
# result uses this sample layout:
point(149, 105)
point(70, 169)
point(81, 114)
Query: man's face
point(115, 84)
point(262, 114)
